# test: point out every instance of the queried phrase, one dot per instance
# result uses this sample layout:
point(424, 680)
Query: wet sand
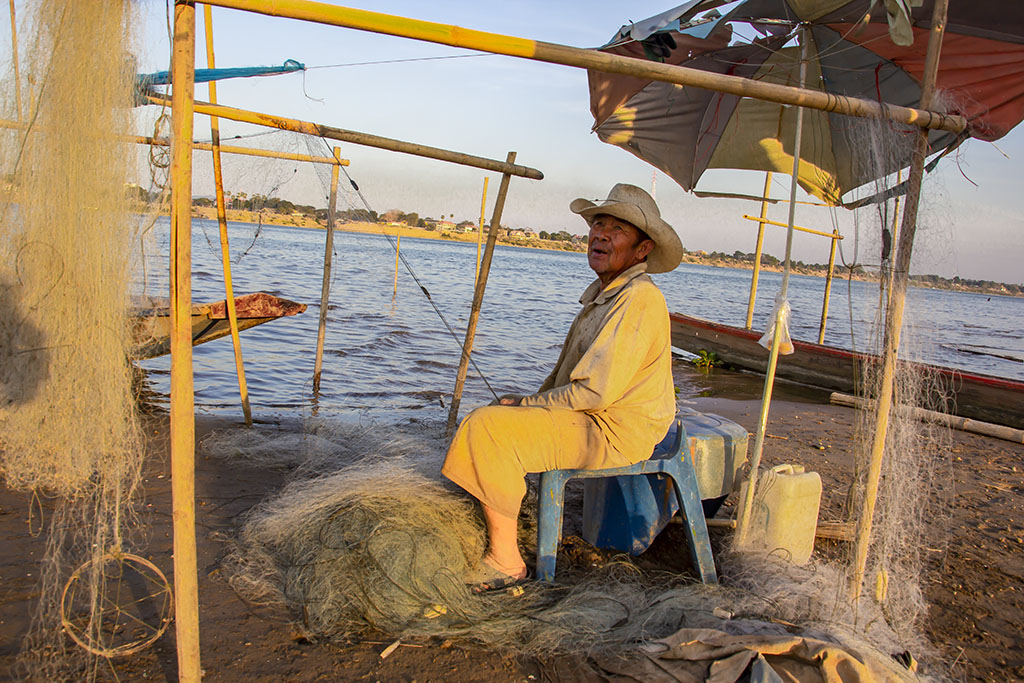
point(974, 588)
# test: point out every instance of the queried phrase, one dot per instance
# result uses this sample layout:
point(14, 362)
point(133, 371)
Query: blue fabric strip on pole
point(207, 75)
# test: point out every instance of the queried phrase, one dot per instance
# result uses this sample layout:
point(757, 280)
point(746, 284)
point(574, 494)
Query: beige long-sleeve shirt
point(616, 364)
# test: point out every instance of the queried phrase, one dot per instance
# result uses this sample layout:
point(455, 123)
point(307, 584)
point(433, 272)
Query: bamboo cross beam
point(553, 53)
point(243, 151)
point(762, 219)
point(358, 138)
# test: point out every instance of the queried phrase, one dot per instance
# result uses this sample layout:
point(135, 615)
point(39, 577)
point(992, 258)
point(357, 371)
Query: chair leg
point(684, 480)
point(549, 522)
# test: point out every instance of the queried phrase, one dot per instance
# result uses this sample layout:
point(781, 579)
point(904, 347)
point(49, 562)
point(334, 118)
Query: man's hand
point(510, 400)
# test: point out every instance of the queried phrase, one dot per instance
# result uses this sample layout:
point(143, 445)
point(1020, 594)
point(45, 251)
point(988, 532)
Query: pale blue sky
point(488, 105)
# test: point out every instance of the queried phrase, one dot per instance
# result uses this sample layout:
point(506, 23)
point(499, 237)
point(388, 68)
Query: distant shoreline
point(237, 216)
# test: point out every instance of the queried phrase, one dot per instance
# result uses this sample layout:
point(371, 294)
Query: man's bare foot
point(516, 571)
point(491, 577)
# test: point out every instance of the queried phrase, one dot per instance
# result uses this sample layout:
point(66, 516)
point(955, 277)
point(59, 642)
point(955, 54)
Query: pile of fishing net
point(366, 539)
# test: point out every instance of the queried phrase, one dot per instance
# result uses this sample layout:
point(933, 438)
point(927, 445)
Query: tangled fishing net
point(67, 414)
point(365, 538)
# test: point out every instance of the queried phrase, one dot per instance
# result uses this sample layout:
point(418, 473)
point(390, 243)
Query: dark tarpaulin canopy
point(684, 130)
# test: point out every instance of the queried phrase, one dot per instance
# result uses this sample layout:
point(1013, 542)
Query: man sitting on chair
point(608, 401)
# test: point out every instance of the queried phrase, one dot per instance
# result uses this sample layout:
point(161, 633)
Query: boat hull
point(981, 397)
point(151, 320)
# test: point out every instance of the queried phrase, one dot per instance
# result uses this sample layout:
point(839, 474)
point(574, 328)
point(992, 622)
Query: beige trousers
point(497, 445)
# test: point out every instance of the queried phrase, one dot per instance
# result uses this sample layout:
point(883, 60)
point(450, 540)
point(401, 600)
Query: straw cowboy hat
point(633, 205)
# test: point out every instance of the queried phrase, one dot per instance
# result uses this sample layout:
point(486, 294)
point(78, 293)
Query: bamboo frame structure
point(496, 43)
point(894, 312)
point(325, 287)
point(222, 224)
point(810, 231)
point(743, 528)
point(757, 249)
point(357, 138)
point(478, 296)
point(182, 417)
point(828, 285)
point(244, 151)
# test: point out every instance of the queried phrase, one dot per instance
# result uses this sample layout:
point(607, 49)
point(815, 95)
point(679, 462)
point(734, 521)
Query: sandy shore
point(974, 588)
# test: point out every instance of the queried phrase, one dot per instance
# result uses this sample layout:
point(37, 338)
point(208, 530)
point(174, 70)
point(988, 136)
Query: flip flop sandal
point(501, 583)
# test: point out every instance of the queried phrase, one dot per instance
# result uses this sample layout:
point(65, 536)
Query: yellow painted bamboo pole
point(478, 295)
point(398, 250)
point(743, 530)
point(358, 138)
point(480, 232)
point(894, 312)
point(809, 231)
point(243, 151)
point(222, 223)
point(828, 286)
point(182, 418)
point(325, 287)
point(456, 36)
point(757, 250)
point(14, 57)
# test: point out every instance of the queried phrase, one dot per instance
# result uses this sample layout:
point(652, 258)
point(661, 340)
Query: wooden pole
point(325, 286)
point(743, 529)
point(14, 57)
point(244, 151)
point(398, 250)
point(358, 138)
point(182, 418)
point(894, 312)
point(222, 222)
point(965, 424)
point(809, 231)
point(828, 285)
point(480, 232)
point(478, 295)
point(757, 250)
point(456, 36)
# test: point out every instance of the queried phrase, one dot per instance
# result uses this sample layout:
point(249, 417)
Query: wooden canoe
point(981, 397)
point(151, 329)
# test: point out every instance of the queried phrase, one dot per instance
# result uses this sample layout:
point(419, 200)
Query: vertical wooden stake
point(182, 419)
point(14, 57)
point(757, 250)
point(480, 232)
point(478, 295)
point(828, 286)
point(222, 222)
point(743, 527)
point(325, 287)
point(398, 250)
point(894, 313)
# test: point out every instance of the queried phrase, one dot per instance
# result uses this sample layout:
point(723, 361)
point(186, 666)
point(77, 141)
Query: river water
point(393, 355)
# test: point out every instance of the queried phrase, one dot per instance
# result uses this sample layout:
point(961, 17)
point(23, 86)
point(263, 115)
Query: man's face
point(614, 246)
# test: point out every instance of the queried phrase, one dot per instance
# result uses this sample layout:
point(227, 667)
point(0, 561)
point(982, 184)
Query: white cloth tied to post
point(780, 321)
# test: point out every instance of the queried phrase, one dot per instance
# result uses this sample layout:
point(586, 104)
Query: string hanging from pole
point(412, 273)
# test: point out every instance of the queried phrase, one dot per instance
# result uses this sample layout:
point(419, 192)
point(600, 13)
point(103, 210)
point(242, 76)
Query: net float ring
point(133, 605)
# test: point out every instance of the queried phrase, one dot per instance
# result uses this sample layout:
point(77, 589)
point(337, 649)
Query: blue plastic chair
point(671, 457)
